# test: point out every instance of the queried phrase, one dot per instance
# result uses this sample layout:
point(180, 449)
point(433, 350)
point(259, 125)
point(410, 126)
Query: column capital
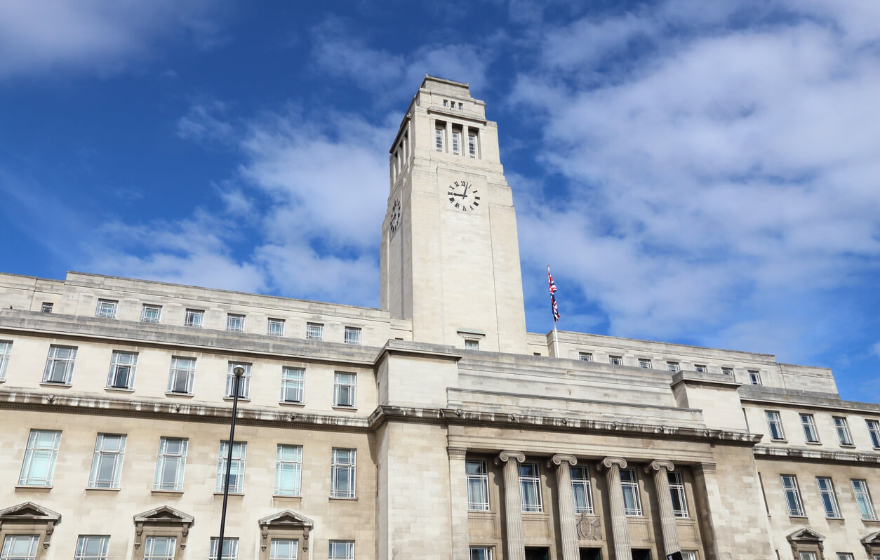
point(457, 452)
point(609, 462)
point(558, 459)
point(505, 456)
point(658, 465)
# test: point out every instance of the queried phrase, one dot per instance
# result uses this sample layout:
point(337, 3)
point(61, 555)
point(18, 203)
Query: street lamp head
point(238, 371)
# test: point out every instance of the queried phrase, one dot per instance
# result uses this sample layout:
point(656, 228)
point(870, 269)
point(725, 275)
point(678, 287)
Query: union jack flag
point(553, 295)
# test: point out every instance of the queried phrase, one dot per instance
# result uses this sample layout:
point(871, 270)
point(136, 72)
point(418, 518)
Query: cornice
point(700, 378)
point(788, 453)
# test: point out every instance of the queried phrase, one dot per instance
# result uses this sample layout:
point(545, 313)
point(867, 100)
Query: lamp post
point(238, 371)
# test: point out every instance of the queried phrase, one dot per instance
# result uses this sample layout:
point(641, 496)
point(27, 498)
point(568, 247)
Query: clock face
point(394, 220)
point(463, 197)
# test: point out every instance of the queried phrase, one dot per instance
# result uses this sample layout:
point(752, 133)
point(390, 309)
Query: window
point(236, 471)
point(275, 327)
point(477, 485)
point(244, 386)
point(5, 350)
point(344, 386)
point(774, 424)
point(530, 487)
point(445, 102)
point(874, 430)
point(234, 322)
point(580, 486)
point(151, 313)
point(472, 145)
point(829, 499)
point(585, 356)
point(481, 553)
point(456, 141)
point(230, 548)
point(438, 139)
point(194, 318)
point(806, 556)
point(727, 371)
point(688, 555)
point(645, 363)
point(342, 473)
point(183, 370)
point(673, 367)
point(615, 360)
point(844, 556)
point(632, 501)
point(160, 548)
point(292, 384)
point(810, 433)
point(46, 307)
point(461, 105)
point(288, 470)
point(754, 377)
point(19, 547)
point(863, 498)
point(700, 368)
point(679, 498)
point(352, 335)
point(122, 368)
point(842, 427)
point(106, 308)
point(471, 344)
point(315, 331)
point(107, 461)
point(341, 550)
point(283, 549)
point(91, 548)
point(39, 458)
point(792, 495)
point(59, 365)
point(171, 464)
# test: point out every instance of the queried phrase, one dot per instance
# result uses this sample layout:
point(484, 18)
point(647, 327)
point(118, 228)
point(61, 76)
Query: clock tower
point(450, 253)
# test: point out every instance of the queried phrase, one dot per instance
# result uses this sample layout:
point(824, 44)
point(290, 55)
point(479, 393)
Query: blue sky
point(695, 172)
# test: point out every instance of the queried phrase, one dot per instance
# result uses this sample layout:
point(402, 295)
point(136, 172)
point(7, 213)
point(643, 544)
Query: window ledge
point(335, 499)
point(173, 492)
point(778, 440)
point(286, 497)
point(90, 489)
point(291, 403)
point(119, 390)
point(240, 399)
point(32, 487)
point(797, 516)
point(813, 442)
point(59, 385)
point(181, 395)
point(834, 518)
point(871, 521)
point(848, 445)
point(349, 408)
point(230, 493)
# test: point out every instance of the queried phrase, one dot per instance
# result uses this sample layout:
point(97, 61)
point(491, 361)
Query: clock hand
point(465, 191)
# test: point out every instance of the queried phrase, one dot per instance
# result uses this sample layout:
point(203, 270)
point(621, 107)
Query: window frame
point(108, 312)
point(52, 359)
point(214, 552)
point(348, 552)
point(338, 386)
point(239, 466)
point(471, 344)
point(80, 553)
point(297, 385)
point(755, 377)
point(615, 360)
point(727, 371)
point(701, 368)
point(873, 431)
point(5, 353)
point(244, 387)
point(808, 422)
point(273, 321)
point(194, 318)
point(792, 490)
point(633, 487)
point(162, 459)
point(480, 479)
point(356, 335)
point(33, 551)
point(866, 494)
point(777, 421)
point(834, 513)
point(100, 454)
point(673, 367)
point(841, 426)
point(25, 477)
point(175, 372)
point(439, 139)
point(581, 483)
point(116, 363)
point(235, 322)
point(585, 356)
point(318, 329)
point(294, 547)
point(675, 480)
point(487, 550)
point(47, 307)
point(336, 467)
point(157, 308)
point(294, 464)
point(646, 363)
point(151, 539)
point(532, 481)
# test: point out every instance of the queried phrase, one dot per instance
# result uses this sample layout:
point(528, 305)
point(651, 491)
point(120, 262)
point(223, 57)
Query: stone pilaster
point(516, 548)
point(567, 517)
point(659, 470)
point(619, 532)
point(458, 502)
point(707, 498)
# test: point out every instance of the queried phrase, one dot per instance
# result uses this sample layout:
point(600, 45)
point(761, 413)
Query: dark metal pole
point(238, 371)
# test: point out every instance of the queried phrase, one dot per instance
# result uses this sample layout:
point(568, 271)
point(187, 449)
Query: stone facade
point(466, 436)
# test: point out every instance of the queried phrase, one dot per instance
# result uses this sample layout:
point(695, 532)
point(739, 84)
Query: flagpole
point(555, 335)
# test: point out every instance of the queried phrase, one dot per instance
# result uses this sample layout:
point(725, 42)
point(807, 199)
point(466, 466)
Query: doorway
point(537, 553)
point(591, 554)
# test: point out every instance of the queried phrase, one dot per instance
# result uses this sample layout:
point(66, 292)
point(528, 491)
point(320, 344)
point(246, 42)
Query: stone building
point(435, 427)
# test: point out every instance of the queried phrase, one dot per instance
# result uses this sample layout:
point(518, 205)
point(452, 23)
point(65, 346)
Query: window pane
point(19, 547)
point(341, 550)
point(230, 548)
point(477, 485)
point(284, 549)
point(91, 548)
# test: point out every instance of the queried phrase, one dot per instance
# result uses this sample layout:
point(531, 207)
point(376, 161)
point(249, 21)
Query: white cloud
point(205, 122)
point(95, 35)
point(727, 175)
point(875, 349)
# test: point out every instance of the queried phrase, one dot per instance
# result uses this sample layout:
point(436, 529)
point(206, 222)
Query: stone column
point(707, 498)
point(619, 532)
point(567, 518)
point(448, 146)
point(664, 498)
point(458, 502)
point(516, 548)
